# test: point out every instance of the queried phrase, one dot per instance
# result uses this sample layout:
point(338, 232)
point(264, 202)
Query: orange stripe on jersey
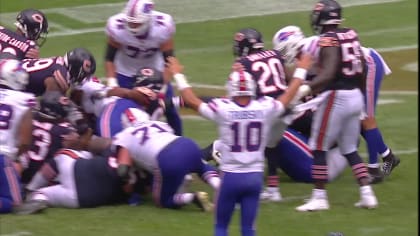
point(325, 120)
point(68, 152)
point(328, 42)
point(61, 81)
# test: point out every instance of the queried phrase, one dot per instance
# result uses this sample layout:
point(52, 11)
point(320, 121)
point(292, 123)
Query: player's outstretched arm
point(184, 88)
point(295, 87)
point(111, 50)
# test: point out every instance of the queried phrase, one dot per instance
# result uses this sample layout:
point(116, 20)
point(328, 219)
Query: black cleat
point(390, 162)
point(375, 175)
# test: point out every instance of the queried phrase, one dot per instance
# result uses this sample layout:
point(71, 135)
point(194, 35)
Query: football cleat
point(201, 199)
point(270, 195)
point(367, 201)
point(30, 207)
point(390, 162)
point(375, 175)
point(314, 204)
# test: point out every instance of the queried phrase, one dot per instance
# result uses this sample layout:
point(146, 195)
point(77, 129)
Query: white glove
point(112, 82)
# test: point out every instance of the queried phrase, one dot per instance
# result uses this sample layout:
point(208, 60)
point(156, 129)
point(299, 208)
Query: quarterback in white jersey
point(244, 123)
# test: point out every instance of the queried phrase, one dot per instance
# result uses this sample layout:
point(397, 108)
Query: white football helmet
point(138, 15)
point(241, 84)
point(13, 75)
point(287, 42)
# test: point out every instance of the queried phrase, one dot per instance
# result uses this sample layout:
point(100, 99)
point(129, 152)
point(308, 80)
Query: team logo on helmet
point(38, 18)
point(87, 65)
point(147, 72)
point(148, 7)
point(319, 6)
point(239, 36)
point(284, 35)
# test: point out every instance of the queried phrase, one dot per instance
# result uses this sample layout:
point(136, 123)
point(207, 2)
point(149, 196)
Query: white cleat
point(314, 204)
point(367, 201)
point(271, 196)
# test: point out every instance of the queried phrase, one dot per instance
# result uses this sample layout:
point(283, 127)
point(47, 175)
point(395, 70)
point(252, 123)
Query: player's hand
point(304, 61)
point(174, 66)
point(237, 66)
point(147, 92)
point(32, 53)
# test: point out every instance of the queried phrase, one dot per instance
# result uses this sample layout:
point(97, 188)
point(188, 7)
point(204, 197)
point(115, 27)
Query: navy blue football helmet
point(325, 12)
point(33, 24)
point(247, 41)
point(150, 78)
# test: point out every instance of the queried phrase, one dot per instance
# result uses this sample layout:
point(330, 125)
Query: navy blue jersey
point(43, 68)
point(14, 43)
point(97, 181)
point(266, 67)
point(47, 139)
point(350, 72)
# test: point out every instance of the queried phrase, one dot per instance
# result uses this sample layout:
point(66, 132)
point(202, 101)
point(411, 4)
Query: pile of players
point(75, 142)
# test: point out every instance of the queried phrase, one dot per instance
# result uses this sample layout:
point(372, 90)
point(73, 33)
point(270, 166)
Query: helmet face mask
point(325, 12)
point(247, 41)
point(241, 84)
point(80, 64)
point(54, 105)
point(33, 24)
point(138, 15)
point(150, 78)
point(13, 75)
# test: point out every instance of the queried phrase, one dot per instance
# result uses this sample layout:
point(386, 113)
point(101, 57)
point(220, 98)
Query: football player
point(31, 33)
point(377, 69)
point(267, 69)
point(84, 181)
point(51, 132)
point(153, 146)
point(140, 37)
point(336, 119)
point(111, 106)
point(15, 129)
point(244, 123)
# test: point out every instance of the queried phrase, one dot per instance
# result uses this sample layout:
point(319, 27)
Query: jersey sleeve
point(166, 25)
point(211, 110)
point(114, 27)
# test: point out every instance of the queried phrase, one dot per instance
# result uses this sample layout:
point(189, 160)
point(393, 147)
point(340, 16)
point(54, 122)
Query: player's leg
point(272, 191)
point(294, 156)
point(250, 202)
point(337, 163)
point(226, 199)
point(377, 69)
point(10, 191)
point(348, 144)
point(324, 133)
point(171, 114)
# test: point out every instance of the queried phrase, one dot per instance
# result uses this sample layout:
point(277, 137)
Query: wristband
point(181, 81)
point(112, 82)
point(300, 73)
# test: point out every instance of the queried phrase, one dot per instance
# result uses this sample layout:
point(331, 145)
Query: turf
point(205, 50)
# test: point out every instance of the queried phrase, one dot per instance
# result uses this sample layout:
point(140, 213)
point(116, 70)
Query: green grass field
point(204, 47)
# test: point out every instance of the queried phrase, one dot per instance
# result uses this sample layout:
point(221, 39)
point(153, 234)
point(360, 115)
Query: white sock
point(184, 198)
point(376, 165)
point(273, 189)
point(39, 197)
point(366, 190)
point(319, 193)
point(214, 182)
point(384, 154)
